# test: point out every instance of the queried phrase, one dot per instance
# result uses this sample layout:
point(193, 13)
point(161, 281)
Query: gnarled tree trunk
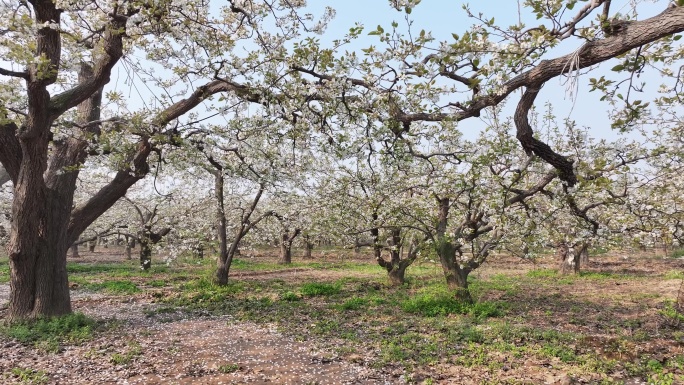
point(456, 277)
point(396, 266)
point(308, 247)
point(571, 257)
point(74, 251)
point(286, 245)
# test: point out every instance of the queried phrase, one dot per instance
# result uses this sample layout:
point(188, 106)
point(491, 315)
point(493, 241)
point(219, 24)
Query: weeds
point(228, 368)
point(134, 350)
point(27, 376)
point(312, 289)
point(48, 333)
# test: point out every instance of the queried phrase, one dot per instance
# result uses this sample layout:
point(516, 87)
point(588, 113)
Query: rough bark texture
point(308, 247)
point(224, 260)
point(146, 240)
point(286, 245)
point(396, 266)
point(456, 277)
point(74, 251)
point(571, 258)
point(129, 247)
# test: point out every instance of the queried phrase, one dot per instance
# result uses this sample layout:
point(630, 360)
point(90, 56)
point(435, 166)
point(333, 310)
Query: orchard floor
point(615, 323)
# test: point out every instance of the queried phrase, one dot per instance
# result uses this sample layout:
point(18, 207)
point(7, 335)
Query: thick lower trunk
point(223, 265)
point(74, 251)
point(222, 274)
point(91, 246)
point(571, 258)
point(37, 255)
point(457, 281)
point(584, 256)
point(456, 277)
point(286, 241)
point(145, 253)
point(285, 252)
point(308, 247)
point(396, 274)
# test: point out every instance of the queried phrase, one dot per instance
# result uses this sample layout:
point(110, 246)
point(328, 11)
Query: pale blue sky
point(444, 17)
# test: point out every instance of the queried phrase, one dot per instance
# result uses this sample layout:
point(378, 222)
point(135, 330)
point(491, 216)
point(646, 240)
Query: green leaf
point(618, 68)
point(677, 37)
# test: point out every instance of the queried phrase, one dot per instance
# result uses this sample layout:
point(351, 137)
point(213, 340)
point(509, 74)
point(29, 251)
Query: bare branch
point(16, 74)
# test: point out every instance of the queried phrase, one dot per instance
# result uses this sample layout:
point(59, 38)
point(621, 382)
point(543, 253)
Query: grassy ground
point(612, 324)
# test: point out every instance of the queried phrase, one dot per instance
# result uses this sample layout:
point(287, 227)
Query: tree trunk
point(129, 241)
point(396, 266)
point(145, 248)
point(91, 246)
point(286, 245)
point(308, 247)
point(570, 258)
point(285, 250)
point(224, 258)
point(38, 248)
point(584, 256)
point(456, 277)
point(357, 248)
point(74, 251)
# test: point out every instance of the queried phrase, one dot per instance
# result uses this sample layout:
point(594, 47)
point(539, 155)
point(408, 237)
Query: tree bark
point(128, 251)
point(286, 245)
point(308, 247)
point(456, 277)
point(74, 251)
point(584, 256)
point(396, 266)
point(571, 258)
point(145, 248)
point(224, 259)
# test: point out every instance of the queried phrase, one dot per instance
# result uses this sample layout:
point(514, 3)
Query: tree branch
point(16, 74)
point(532, 145)
point(10, 150)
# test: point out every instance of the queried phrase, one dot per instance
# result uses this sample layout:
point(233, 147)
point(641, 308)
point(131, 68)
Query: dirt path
point(178, 348)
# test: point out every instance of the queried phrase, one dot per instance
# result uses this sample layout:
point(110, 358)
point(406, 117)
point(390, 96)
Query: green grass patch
point(442, 302)
point(677, 253)
point(112, 269)
point(289, 296)
point(206, 292)
point(601, 275)
point(157, 283)
point(314, 289)
point(228, 368)
point(114, 287)
point(134, 350)
point(27, 376)
point(543, 273)
point(48, 333)
point(674, 274)
point(353, 304)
